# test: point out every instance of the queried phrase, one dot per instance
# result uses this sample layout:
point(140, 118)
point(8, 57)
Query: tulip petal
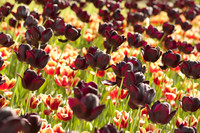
point(95, 112)
point(36, 84)
point(46, 35)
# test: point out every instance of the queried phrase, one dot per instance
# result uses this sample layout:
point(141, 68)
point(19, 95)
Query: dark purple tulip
point(37, 58)
point(59, 26)
point(156, 10)
point(104, 27)
point(135, 17)
point(113, 41)
point(31, 80)
point(131, 5)
point(140, 95)
point(186, 25)
point(117, 15)
point(87, 108)
point(97, 59)
point(147, 11)
point(170, 59)
point(190, 104)
point(35, 14)
point(160, 112)
point(21, 53)
point(117, 25)
point(185, 47)
point(105, 14)
point(190, 14)
point(151, 54)
point(134, 39)
point(74, 7)
point(62, 4)
point(170, 43)
point(112, 5)
point(185, 129)
point(153, 32)
point(30, 21)
point(27, 2)
point(1, 61)
point(121, 68)
point(173, 13)
point(99, 3)
point(83, 15)
point(190, 69)
point(51, 10)
point(109, 128)
point(71, 32)
point(80, 63)
point(49, 23)
point(38, 34)
point(13, 23)
point(22, 12)
point(84, 88)
point(5, 10)
point(138, 28)
point(168, 28)
point(198, 47)
point(33, 122)
point(6, 40)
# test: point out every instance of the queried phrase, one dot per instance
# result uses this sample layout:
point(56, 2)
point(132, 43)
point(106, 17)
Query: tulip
point(147, 11)
point(105, 27)
point(140, 95)
point(80, 63)
point(35, 14)
point(198, 47)
point(190, 104)
point(134, 39)
point(109, 128)
point(83, 15)
point(131, 5)
point(168, 28)
point(51, 10)
point(156, 10)
point(59, 26)
point(37, 58)
point(31, 80)
point(30, 21)
point(21, 53)
point(151, 54)
point(117, 15)
point(112, 5)
point(5, 10)
point(33, 122)
point(87, 108)
point(153, 32)
point(99, 3)
point(138, 28)
point(190, 14)
point(173, 13)
point(135, 17)
point(160, 112)
point(190, 69)
point(105, 14)
point(71, 32)
point(186, 25)
point(27, 2)
point(169, 59)
point(185, 129)
point(13, 23)
point(22, 12)
point(170, 43)
point(6, 40)
point(185, 47)
point(65, 113)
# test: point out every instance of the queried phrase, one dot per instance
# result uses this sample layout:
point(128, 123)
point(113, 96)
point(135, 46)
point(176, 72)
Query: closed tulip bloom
point(138, 28)
point(31, 80)
point(134, 39)
point(105, 27)
point(133, 78)
point(109, 128)
point(121, 68)
point(160, 112)
point(186, 25)
point(37, 58)
point(84, 16)
point(185, 47)
point(27, 2)
point(59, 26)
point(22, 12)
point(170, 59)
point(190, 69)
point(154, 33)
point(6, 40)
point(168, 28)
point(51, 10)
point(170, 43)
point(72, 33)
point(198, 47)
point(185, 129)
point(190, 104)
point(140, 95)
point(30, 21)
point(80, 63)
point(33, 122)
point(21, 52)
point(151, 54)
point(87, 108)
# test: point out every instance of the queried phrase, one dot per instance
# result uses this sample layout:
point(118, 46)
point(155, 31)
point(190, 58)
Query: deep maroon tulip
point(160, 112)
point(1, 81)
point(5, 10)
point(190, 14)
point(83, 89)
point(173, 13)
point(121, 68)
point(104, 27)
point(74, 7)
point(134, 39)
point(97, 59)
point(31, 80)
point(109, 128)
point(38, 34)
point(138, 28)
point(49, 23)
point(147, 11)
point(190, 104)
point(71, 32)
point(22, 12)
point(37, 58)
point(87, 108)
point(117, 25)
point(27, 2)
point(198, 47)
point(62, 4)
point(156, 10)
point(140, 95)
point(153, 32)
point(170, 59)
point(59, 26)
point(168, 28)
point(105, 14)
point(99, 3)
point(185, 129)
point(13, 23)
point(30, 21)
point(80, 63)
point(185, 47)
point(33, 122)
point(135, 17)
point(117, 15)
point(1, 61)
point(190, 69)
point(83, 15)
point(151, 54)
point(35, 14)
point(51, 10)
point(131, 5)
point(170, 43)
point(112, 5)
point(21, 53)
point(113, 41)
point(6, 40)
point(186, 25)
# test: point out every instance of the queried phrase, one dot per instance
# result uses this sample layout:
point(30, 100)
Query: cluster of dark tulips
point(131, 83)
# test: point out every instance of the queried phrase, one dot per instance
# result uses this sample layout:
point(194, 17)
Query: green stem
point(28, 102)
point(134, 123)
